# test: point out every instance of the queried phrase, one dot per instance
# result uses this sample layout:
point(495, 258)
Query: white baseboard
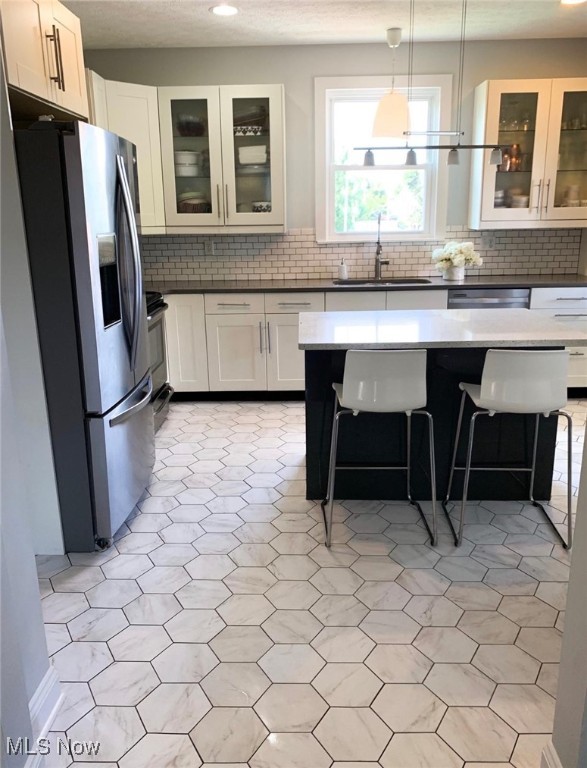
point(43, 707)
point(550, 758)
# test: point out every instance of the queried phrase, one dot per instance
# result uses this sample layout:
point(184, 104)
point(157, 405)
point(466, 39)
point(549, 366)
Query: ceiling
point(188, 23)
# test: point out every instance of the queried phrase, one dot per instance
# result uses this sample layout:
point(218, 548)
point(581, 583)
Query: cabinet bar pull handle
point(60, 59)
point(218, 200)
point(572, 298)
point(295, 303)
point(577, 354)
point(570, 314)
point(547, 195)
point(53, 38)
point(226, 209)
point(260, 337)
point(537, 206)
point(230, 304)
point(268, 337)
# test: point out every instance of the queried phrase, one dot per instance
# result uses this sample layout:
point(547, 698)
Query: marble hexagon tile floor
point(219, 631)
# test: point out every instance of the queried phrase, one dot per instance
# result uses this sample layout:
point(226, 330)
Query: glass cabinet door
point(516, 120)
point(566, 176)
point(191, 155)
point(252, 136)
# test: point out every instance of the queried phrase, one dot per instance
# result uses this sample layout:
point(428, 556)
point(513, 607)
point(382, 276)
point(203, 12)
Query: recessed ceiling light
point(224, 10)
point(572, 2)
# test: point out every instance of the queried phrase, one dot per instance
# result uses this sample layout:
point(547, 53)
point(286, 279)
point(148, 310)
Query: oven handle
point(161, 308)
point(169, 392)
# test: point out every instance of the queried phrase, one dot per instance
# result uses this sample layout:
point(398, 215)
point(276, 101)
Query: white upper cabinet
point(43, 53)
point(541, 126)
point(132, 111)
point(24, 45)
point(70, 94)
point(223, 158)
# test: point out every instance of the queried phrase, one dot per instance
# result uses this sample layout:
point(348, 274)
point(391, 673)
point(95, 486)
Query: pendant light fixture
point(391, 118)
point(453, 149)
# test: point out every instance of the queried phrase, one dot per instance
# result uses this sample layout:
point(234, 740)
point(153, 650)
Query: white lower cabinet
point(426, 299)
point(236, 352)
point(285, 362)
point(568, 306)
point(187, 358)
point(337, 301)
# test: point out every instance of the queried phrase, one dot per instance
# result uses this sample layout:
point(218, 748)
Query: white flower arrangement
point(456, 255)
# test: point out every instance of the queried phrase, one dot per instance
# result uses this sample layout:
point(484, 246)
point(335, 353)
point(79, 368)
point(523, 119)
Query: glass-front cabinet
point(223, 158)
point(541, 128)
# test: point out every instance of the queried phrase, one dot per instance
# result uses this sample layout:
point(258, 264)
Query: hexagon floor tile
point(349, 733)
point(220, 623)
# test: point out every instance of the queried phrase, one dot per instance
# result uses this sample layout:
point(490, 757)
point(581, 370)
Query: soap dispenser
point(343, 272)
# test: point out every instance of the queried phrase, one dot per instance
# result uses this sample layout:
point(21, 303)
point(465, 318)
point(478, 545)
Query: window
point(349, 195)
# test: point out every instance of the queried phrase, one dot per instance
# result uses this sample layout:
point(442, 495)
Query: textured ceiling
point(188, 23)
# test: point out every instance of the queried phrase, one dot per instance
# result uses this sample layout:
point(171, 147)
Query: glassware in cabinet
point(571, 175)
point(191, 156)
point(516, 136)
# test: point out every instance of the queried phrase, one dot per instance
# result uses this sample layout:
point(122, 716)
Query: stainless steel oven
point(162, 390)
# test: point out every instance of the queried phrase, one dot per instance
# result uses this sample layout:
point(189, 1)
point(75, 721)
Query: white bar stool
point(382, 381)
point(516, 381)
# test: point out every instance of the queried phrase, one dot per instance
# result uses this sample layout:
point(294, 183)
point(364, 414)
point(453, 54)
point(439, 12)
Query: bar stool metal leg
point(467, 473)
point(329, 500)
point(408, 468)
point(569, 542)
point(409, 456)
point(452, 468)
point(431, 532)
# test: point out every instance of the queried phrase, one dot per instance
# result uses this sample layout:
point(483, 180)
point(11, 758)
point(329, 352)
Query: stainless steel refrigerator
point(80, 201)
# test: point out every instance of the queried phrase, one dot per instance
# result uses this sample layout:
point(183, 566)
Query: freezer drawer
point(122, 457)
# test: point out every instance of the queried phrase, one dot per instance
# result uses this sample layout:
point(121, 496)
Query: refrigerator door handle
point(134, 238)
point(130, 412)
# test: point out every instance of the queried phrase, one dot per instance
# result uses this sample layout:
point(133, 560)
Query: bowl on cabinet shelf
point(262, 206)
point(189, 125)
point(191, 202)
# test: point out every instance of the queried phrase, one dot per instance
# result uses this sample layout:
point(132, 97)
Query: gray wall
point(24, 660)
point(296, 67)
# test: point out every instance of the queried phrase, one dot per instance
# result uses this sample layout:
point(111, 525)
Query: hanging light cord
point(411, 50)
point(461, 65)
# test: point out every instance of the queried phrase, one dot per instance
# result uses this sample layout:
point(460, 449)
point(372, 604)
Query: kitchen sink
point(384, 281)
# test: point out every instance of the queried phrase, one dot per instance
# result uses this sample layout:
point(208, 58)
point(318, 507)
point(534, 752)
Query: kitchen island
point(457, 341)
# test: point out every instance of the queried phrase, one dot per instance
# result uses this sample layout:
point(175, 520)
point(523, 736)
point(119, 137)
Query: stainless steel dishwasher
point(489, 298)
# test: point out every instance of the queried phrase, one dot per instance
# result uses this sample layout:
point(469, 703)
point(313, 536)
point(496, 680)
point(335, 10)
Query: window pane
point(352, 125)
point(361, 195)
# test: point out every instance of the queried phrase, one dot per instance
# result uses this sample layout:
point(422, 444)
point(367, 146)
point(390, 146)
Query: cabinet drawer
point(294, 302)
point(577, 367)
point(429, 299)
point(234, 303)
point(561, 299)
point(339, 301)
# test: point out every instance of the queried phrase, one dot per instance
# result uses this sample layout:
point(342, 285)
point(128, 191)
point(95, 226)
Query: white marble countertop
point(397, 329)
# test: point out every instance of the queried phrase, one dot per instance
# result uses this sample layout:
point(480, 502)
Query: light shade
point(572, 2)
point(496, 157)
point(453, 157)
point(411, 158)
point(224, 10)
point(392, 117)
point(369, 158)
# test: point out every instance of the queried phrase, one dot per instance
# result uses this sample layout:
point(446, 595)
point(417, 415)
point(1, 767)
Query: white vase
point(454, 273)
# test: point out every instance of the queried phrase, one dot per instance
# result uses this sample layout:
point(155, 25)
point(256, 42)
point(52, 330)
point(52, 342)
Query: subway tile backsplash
point(296, 255)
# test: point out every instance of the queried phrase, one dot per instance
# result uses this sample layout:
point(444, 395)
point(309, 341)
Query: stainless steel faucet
point(379, 262)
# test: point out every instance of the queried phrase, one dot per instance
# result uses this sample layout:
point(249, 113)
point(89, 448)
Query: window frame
point(326, 92)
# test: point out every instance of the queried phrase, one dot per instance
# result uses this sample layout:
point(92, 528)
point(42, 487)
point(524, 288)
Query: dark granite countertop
point(275, 286)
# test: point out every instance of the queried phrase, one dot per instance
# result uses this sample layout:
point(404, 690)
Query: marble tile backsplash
point(296, 255)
